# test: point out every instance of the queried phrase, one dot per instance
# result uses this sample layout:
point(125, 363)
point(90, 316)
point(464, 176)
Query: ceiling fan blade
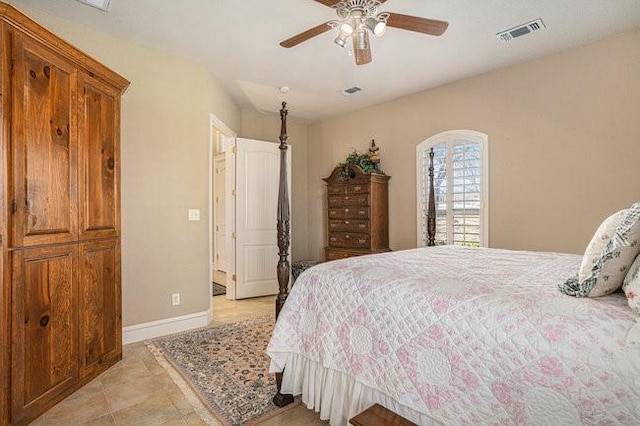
point(329, 3)
point(332, 3)
point(413, 23)
point(299, 38)
point(363, 56)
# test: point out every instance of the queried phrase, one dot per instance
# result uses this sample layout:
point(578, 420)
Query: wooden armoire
point(60, 301)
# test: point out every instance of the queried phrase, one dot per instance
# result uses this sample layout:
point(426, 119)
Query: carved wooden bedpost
point(283, 217)
point(431, 207)
point(283, 242)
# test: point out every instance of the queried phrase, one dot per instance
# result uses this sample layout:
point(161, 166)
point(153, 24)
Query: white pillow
point(631, 286)
point(608, 256)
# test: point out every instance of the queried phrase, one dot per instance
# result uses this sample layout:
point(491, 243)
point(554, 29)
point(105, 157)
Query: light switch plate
point(194, 214)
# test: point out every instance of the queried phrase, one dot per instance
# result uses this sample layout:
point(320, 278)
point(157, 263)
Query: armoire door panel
point(100, 318)
point(44, 145)
point(99, 117)
point(44, 327)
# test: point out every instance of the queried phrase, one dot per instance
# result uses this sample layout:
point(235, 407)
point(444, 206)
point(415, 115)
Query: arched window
point(460, 187)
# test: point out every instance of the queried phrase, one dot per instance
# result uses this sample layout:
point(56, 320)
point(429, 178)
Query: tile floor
point(138, 391)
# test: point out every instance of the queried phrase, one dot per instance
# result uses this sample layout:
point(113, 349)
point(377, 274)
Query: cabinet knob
point(44, 321)
point(346, 210)
point(346, 222)
point(346, 197)
point(362, 212)
point(347, 237)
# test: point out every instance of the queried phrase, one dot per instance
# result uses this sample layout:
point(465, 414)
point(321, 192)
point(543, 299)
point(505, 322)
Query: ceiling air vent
point(99, 4)
point(351, 90)
point(520, 30)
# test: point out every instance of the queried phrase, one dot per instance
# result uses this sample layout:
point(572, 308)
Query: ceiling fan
point(359, 17)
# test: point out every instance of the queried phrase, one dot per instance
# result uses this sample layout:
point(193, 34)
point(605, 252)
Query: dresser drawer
point(349, 200)
point(336, 189)
point(354, 212)
point(349, 225)
point(335, 255)
point(349, 239)
point(357, 188)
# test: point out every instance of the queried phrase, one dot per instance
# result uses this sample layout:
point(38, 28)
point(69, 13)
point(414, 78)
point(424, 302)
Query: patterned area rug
point(218, 289)
point(228, 368)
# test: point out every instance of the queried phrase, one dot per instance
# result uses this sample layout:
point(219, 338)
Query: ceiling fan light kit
point(359, 17)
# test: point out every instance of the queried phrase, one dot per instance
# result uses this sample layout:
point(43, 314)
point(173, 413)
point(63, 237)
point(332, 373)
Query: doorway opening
point(221, 141)
point(243, 181)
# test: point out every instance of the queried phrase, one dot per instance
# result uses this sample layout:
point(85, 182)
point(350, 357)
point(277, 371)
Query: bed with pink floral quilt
point(457, 336)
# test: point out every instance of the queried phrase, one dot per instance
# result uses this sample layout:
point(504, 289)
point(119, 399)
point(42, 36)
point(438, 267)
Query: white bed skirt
point(335, 395)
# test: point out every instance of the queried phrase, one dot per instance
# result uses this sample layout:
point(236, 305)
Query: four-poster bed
point(451, 335)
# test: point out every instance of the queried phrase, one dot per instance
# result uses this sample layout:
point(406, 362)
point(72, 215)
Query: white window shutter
point(460, 186)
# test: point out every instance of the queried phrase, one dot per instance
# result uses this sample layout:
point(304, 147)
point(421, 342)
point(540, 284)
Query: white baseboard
point(163, 327)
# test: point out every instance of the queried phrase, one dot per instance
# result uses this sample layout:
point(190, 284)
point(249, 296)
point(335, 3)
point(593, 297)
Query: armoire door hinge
point(233, 235)
point(14, 206)
point(233, 277)
point(233, 192)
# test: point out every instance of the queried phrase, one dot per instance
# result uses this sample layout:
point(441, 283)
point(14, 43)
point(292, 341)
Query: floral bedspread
point(468, 336)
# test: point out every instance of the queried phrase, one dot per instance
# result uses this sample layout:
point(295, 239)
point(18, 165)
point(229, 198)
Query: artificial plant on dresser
point(357, 207)
point(60, 302)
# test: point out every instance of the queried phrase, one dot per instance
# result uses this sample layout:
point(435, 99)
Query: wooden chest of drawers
point(357, 213)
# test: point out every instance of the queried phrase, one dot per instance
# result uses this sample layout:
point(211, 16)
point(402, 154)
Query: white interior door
point(257, 184)
point(220, 258)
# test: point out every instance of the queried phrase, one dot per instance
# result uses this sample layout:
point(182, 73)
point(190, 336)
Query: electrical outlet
point(175, 299)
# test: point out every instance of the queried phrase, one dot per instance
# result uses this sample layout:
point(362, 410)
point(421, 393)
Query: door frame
point(219, 125)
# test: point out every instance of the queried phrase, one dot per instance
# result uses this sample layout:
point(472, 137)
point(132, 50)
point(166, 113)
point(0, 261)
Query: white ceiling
point(238, 42)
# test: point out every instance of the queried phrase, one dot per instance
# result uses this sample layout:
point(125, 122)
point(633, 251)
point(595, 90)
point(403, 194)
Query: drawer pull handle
point(346, 237)
point(362, 241)
point(346, 222)
point(333, 225)
point(44, 321)
point(357, 188)
point(346, 198)
point(334, 239)
point(346, 210)
point(333, 213)
point(362, 212)
point(362, 226)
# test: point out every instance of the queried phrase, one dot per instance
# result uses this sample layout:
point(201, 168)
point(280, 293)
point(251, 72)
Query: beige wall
point(564, 140)
point(266, 127)
point(165, 139)
point(564, 145)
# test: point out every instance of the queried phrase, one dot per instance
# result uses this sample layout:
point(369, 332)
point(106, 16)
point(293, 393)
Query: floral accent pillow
point(631, 286)
point(608, 256)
